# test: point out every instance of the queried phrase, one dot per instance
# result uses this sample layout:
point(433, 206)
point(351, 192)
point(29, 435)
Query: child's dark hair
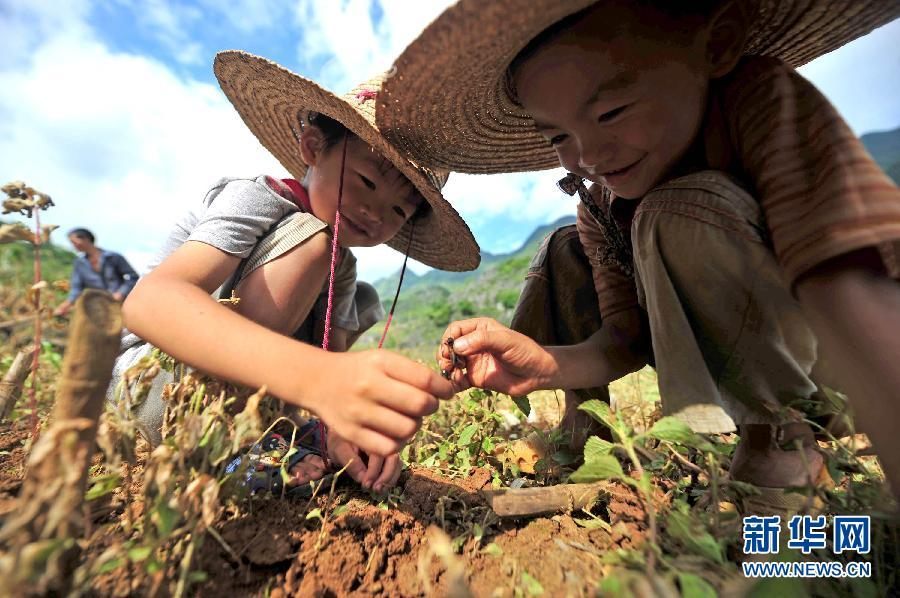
point(82, 233)
point(677, 10)
point(333, 132)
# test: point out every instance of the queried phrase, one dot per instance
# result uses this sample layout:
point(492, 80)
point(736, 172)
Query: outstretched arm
point(501, 359)
point(380, 404)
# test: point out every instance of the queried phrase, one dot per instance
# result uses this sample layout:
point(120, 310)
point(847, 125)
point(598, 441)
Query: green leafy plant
point(468, 435)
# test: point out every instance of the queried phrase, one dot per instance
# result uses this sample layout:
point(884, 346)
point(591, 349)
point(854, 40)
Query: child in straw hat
point(269, 242)
point(734, 222)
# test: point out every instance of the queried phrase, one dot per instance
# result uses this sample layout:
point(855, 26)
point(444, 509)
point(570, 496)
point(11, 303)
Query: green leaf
point(487, 445)
point(458, 542)
point(102, 485)
point(694, 586)
point(493, 549)
point(110, 565)
point(314, 514)
point(602, 467)
point(197, 576)
point(597, 447)
point(139, 553)
point(563, 457)
point(153, 566)
point(465, 437)
point(677, 432)
point(338, 510)
point(599, 411)
point(523, 403)
point(166, 519)
point(614, 586)
point(531, 585)
point(691, 533)
point(444, 450)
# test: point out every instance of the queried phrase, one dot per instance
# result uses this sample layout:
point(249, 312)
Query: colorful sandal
point(265, 460)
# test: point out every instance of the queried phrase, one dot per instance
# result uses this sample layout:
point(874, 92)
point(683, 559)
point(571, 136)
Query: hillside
point(17, 264)
point(885, 148)
point(431, 301)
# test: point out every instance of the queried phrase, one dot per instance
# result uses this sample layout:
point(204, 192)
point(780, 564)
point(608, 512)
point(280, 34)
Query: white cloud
point(119, 141)
point(172, 23)
point(355, 47)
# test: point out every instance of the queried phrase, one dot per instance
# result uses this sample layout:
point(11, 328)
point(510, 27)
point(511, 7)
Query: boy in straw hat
point(734, 222)
point(271, 243)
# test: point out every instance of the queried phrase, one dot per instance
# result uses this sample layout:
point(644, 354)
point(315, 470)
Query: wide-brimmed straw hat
point(450, 104)
point(275, 104)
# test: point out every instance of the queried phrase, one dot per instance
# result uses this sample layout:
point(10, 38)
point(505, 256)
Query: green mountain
point(17, 264)
point(431, 301)
point(885, 149)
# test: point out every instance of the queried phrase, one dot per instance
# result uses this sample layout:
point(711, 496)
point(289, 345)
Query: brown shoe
point(777, 460)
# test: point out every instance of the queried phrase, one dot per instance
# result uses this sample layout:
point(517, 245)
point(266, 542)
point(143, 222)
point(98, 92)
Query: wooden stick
point(50, 503)
point(13, 382)
point(529, 502)
point(16, 322)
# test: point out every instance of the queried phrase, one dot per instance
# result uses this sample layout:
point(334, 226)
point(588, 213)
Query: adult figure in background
point(96, 268)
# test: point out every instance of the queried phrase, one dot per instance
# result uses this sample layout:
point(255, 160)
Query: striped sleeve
point(616, 290)
point(822, 194)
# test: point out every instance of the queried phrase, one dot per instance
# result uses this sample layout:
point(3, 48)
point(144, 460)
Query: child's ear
point(312, 144)
point(727, 35)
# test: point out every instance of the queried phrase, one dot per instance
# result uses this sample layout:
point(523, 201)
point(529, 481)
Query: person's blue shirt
point(115, 275)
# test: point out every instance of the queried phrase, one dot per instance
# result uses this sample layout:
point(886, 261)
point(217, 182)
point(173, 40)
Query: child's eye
point(557, 139)
point(608, 116)
point(400, 212)
point(367, 182)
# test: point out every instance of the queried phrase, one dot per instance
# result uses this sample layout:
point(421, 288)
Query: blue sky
point(112, 108)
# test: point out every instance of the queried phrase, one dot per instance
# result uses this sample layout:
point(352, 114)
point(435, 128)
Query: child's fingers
point(463, 327)
point(347, 455)
point(390, 473)
point(421, 378)
point(391, 422)
point(372, 471)
point(374, 442)
point(495, 341)
point(460, 380)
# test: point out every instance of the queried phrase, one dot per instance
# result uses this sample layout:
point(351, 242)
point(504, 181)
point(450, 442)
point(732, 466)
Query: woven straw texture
point(273, 102)
point(449, 104)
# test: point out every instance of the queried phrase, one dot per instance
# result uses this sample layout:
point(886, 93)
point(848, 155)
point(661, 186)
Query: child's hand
point(494, 357)
point(381, 473)
point(376, 399)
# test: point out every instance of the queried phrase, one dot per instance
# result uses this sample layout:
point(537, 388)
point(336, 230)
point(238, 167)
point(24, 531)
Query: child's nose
point(595, 153)
point(594, 157)
point(371, 214)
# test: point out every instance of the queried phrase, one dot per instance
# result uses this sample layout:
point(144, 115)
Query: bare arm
point(620, 347)
point(854, 310)
point(506, 361)
point(382, 400)
point(172, 309)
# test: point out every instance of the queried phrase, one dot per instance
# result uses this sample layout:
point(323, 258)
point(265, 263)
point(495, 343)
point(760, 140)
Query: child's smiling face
point(377, 198)
point(621, 105)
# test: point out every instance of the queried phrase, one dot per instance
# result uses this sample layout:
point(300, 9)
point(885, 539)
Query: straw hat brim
point(271, 99)
point(449, 104)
